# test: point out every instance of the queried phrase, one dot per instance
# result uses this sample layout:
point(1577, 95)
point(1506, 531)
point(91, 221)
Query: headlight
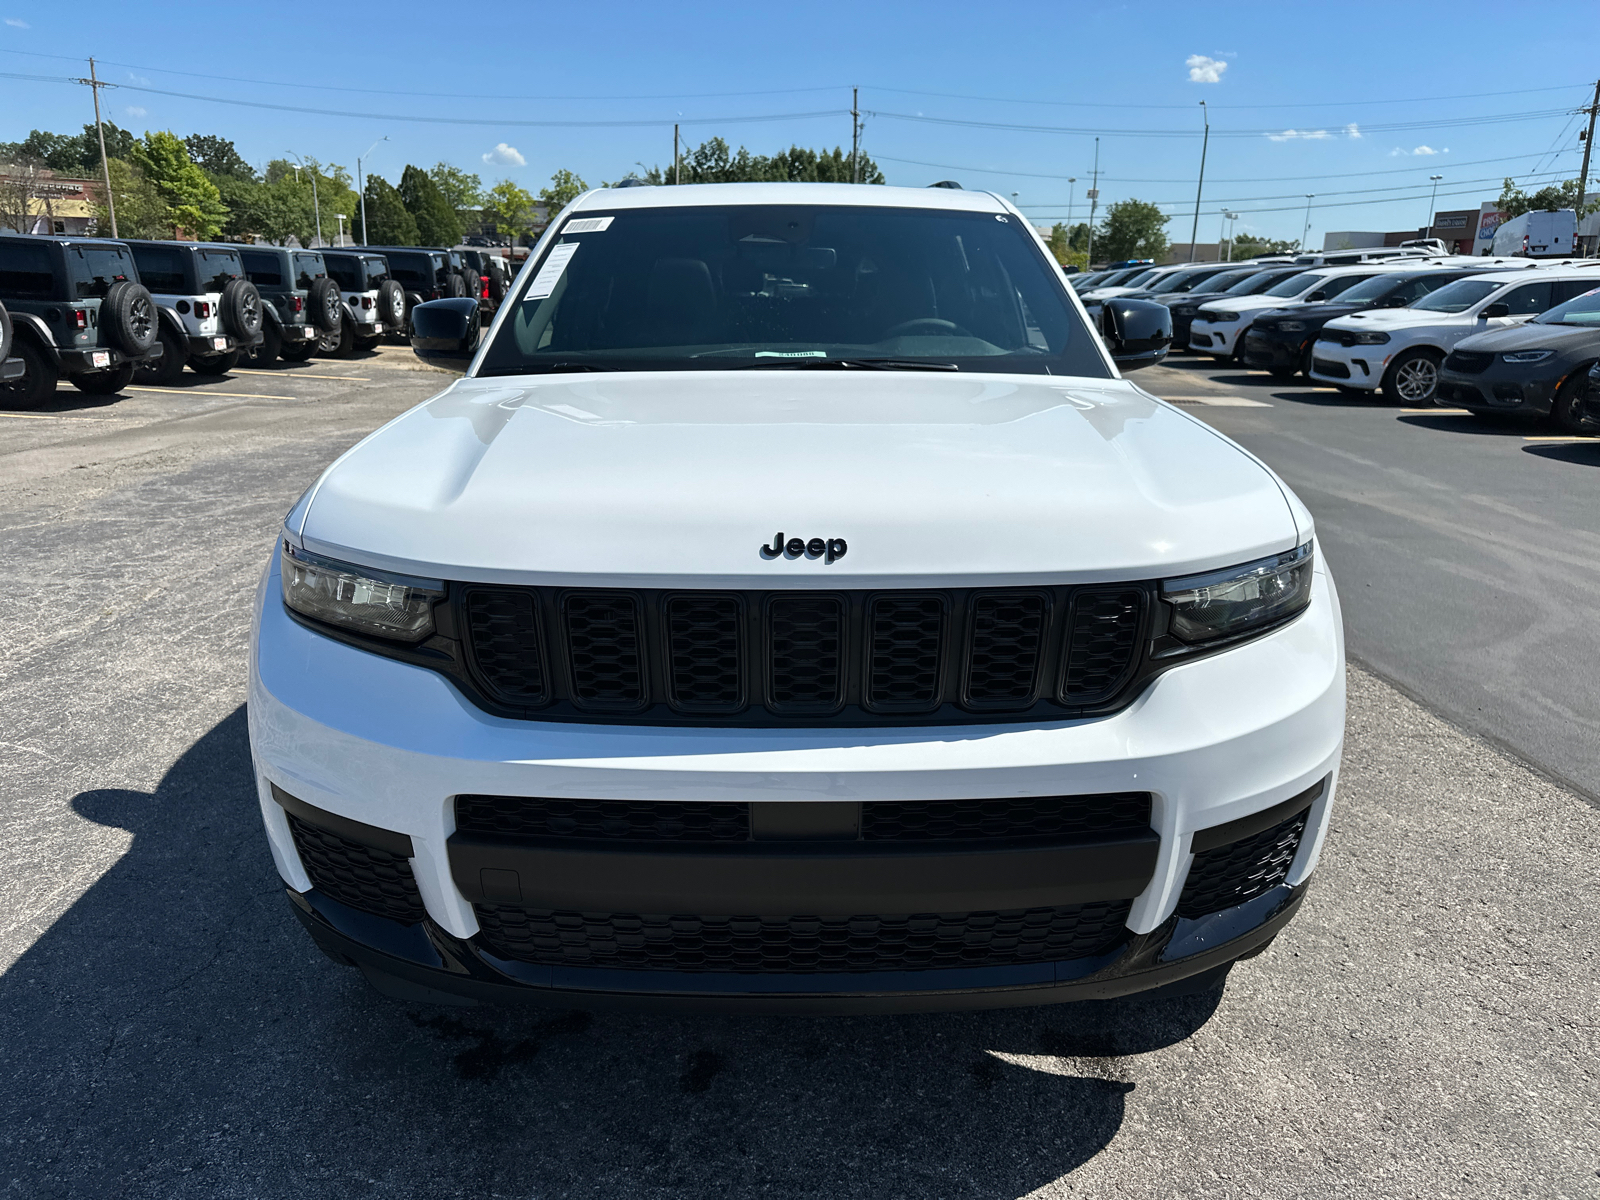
point(1526, 356)
point(1370, 339)
point(1236, 600)
point(359, 598)
point(1217, 315)
point(1291, 326)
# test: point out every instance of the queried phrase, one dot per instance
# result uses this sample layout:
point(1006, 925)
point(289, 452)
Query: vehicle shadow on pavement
point(1445, 422)
point(175, 1033)
point(1586, 454)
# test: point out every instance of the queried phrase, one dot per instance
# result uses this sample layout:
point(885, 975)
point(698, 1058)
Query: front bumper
point(1220, 338)
point(365, 747)
point(1349, 366)
point(1504, 387)
point(1269, 350)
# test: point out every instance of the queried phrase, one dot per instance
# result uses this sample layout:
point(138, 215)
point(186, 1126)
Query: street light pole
point(1427, 229)
point(361, 187)
point(1072, 190)
point(1094, 201)
point(316, 207)
point(1194, 231)
point(1306, 236)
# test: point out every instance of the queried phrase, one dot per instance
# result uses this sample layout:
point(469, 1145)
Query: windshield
point(1580, 310)
point(695, 288)
point(1296, 284)
point(1186, 281)
point(1138, 277)
point(1260, 281)
point(95, 268)
point(1459, 296)
point(1221, 282)
point(1373, 289)
point(1084, 281)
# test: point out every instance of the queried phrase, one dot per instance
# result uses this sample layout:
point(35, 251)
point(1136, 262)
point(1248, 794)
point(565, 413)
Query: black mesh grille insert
point(603, 647)
point(504, 630)
point(1006, 647)
point(1103, 644)
point(703, 645)
point(532, 817)
point(1039, 818)
point(1468, 362)
point(807, 654)
point(1241, 870)
point(803, 945)
point(907, 635)
point(363, 877)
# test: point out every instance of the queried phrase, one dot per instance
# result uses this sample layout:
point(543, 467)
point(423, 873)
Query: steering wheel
point(934, 325)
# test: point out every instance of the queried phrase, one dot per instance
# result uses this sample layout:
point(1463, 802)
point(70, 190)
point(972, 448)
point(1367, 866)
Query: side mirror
point(1136, 332)
point(1317, 295)
point(445, 330)
point(1495, 310)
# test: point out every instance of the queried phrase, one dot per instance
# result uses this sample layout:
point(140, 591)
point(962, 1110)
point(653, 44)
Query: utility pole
point(676, 178)
point(1194, 230)
point(316, 206)
point(1304, 237)
point(855, 135)
point(1094, 202)
point(1072, 188)
point(361, 188)
point(94, 85)
point(1432, 204)
point(1588, 141)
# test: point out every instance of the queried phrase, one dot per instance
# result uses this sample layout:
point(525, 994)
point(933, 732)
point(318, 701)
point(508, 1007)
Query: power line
point(1189, 108)
point(1422, 195)
point(1389, 127)
point(1232, 202)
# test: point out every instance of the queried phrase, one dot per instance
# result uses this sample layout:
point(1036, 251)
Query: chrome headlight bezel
point(1523, 357)
point(357, 599)
point(1235, 602)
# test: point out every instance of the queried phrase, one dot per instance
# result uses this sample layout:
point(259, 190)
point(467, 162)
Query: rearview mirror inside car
point(1495, 310)
point(445, 330)
point(1137, 332)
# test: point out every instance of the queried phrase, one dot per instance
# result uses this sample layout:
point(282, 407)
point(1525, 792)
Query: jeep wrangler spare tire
point(326, 305)
point(241, 309)
point(128, 315)
point(392, 304)
point(457, 286)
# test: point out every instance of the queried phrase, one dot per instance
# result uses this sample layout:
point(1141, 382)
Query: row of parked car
point(1510, 336)
point(104, 314)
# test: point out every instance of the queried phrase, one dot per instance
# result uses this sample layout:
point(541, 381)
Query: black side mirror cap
point(1317, 295)
point(1138, 333)
point(1495, 310)
point(446, 330)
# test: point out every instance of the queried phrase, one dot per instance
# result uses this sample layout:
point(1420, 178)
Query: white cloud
point(139, 79)
point(1419, 152)
point(1205, 70)
point(1309, 135)
point(505, 156)
point(17, 23)
point(1352, 130)
point(135, 111)
point(1424, 150)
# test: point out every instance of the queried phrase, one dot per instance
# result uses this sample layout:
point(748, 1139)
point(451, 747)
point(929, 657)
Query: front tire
point(164, 371)
point(1413, 379)
point(38, 382)
point(104, 383)
point(1566, 410)
point(214, 364)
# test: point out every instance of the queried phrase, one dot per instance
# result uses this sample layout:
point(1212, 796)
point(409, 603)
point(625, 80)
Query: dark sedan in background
point(1537, 369)
point(1279, 340)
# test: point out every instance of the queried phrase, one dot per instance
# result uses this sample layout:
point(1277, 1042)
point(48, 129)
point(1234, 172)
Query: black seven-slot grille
point(1468, 362)
point(790, 657)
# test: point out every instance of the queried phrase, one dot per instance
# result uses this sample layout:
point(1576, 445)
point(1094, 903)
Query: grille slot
point(907, 635)
point(603, 648)
point(1242, 870)
point(705, 653)
point(361, 876)
point(803, 944)
point(1468, 362)
point(1005, 650)
point(1022, 818)
point(541, 818)
point(503, 629)
point(1102, 645)
point(806, 656)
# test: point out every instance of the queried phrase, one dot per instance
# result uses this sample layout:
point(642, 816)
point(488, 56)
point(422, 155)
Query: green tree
point(388, 221)
point(1514, 201)
point(193, 202)
point(462, 191)
point(713, 162)
point(217, 157)
point(437, 222)
point(68, 153)
point(565, 187)
point(1132, 229)
point(141, 211)
point(1060, 243)
point(509, 209)
point(1247, 245)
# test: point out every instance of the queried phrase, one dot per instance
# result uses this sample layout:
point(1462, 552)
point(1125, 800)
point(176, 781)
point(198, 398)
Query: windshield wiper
point(560, 367)
point(853, 364)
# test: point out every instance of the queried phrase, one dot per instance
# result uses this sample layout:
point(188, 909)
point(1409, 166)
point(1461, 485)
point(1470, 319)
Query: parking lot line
point(1571, 437)
point(56, 417)
point(209, 392)
point(1442, 412)
point(297, 375)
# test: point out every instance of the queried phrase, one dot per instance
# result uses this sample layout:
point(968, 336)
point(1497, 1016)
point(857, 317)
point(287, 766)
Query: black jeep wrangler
point(493, 275)
point(373, 302)
point(424, 275)
point(210, 313)
point(301, 301)
point(76, 308)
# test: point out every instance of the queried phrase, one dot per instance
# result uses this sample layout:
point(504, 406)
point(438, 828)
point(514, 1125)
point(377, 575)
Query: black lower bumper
point(1265, 352)
point(210, 343)
point(81, 362)
point(422, 962)
point(1485, 393)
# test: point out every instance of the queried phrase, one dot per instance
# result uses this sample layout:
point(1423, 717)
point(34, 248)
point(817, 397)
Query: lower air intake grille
point(1241, 870)
point(538, 819)
point(803, 945)
point(1030, 818)
point(1105, 642)
point(363, 877)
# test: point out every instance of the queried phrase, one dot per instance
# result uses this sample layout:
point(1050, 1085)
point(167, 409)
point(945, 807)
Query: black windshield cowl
point(851, 364)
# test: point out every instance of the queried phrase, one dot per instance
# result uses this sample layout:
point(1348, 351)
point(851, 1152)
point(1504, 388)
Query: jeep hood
point(662, 479)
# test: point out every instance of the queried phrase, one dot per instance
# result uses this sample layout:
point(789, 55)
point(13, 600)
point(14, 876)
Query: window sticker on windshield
point(791, 354)
point(550, 274)
point(588, 225)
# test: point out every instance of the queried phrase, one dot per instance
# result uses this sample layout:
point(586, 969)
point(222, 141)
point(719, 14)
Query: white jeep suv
point(794, 608)
point(1401, 349)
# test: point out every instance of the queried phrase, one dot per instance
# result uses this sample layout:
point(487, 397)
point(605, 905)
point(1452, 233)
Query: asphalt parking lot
point(1426, 1027)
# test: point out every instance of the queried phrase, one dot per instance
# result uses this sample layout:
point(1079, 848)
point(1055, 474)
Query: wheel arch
point(32, 328)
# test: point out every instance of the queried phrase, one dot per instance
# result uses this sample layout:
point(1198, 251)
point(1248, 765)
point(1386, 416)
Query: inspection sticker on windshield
point(550, 274)
point(588, 225)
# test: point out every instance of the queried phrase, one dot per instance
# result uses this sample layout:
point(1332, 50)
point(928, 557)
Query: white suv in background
point(1400, 349)
point(1219, 326)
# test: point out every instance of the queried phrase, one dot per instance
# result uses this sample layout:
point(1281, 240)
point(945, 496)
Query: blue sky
point(1334, 100)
